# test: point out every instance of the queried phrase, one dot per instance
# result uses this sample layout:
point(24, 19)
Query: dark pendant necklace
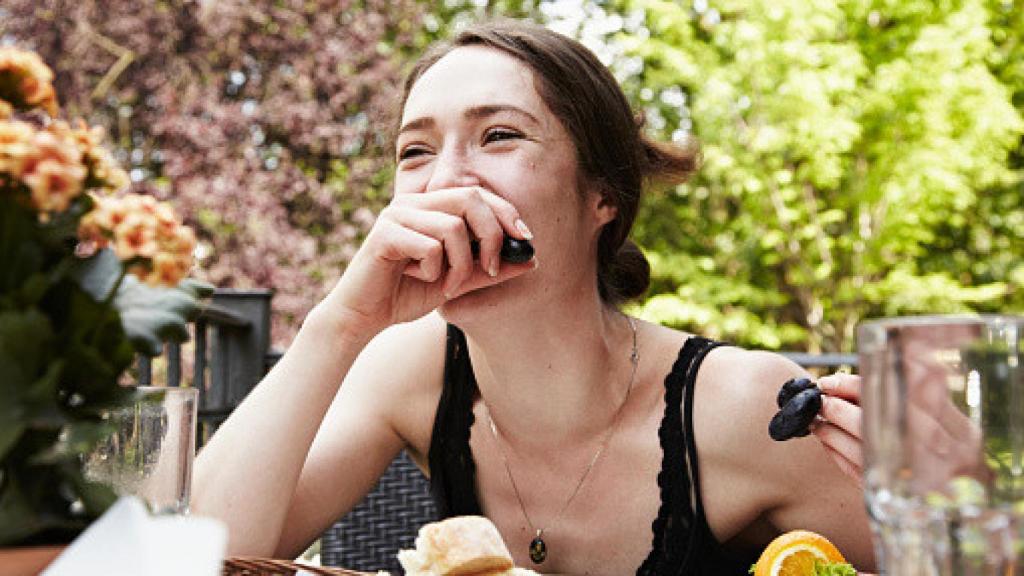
point(538, 547)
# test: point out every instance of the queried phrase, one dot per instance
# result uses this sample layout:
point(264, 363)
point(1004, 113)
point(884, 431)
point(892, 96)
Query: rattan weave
point(386, 521)
point(247, 566)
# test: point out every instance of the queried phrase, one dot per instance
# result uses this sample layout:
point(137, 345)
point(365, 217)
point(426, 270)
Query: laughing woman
point(596, 442)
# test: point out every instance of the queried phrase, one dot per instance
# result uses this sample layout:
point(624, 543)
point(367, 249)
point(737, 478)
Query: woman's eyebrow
point(487, 110)
point(474, 113)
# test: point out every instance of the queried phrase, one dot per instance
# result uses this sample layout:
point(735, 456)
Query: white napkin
point(127, 541)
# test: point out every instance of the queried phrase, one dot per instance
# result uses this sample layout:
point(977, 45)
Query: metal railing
point(828, 361)
point(230, 354)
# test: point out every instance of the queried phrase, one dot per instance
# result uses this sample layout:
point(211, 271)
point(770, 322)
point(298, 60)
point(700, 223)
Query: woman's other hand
point(840, 427)
point(418, 255)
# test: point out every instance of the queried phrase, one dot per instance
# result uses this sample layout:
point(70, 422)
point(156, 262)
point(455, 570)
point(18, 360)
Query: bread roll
point(459, 546)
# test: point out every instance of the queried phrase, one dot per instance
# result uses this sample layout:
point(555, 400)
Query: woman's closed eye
point(410, 152)
point(500, 134)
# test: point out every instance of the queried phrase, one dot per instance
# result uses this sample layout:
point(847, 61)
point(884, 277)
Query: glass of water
point(150, 452)
point(943, 402)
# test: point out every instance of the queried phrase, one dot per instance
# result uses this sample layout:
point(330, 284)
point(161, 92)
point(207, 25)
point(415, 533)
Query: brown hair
point(611, 148)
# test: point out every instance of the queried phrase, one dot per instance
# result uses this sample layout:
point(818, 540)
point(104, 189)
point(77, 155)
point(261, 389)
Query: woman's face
point(475, 118)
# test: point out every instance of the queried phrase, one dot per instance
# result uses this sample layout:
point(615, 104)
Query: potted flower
point(89, 277)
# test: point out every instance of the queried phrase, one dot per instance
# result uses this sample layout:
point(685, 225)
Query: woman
point(521, 389)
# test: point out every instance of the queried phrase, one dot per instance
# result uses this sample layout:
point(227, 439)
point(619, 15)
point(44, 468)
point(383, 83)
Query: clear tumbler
point(150, 452)
point(943, 403)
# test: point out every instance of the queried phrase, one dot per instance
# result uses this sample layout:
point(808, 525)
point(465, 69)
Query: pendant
point(538, 549)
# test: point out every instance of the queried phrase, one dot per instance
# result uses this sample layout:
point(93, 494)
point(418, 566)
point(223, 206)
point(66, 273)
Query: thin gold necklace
point(539, 548)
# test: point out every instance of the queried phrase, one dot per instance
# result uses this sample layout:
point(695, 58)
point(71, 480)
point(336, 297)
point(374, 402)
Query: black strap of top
point(452, 470)
point(678, 527)
point(682, 541)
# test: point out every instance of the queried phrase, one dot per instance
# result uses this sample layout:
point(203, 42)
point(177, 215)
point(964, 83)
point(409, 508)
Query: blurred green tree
point(861, 158)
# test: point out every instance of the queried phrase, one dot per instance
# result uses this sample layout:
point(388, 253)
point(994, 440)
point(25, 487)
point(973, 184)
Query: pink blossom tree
point(266, 121)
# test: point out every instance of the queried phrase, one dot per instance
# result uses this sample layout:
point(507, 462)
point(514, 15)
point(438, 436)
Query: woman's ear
point(603, 208)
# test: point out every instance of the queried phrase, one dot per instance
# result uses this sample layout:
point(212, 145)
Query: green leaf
point(79, 437)
point(18, 518)
point(95, 496)
point(21, 254)
point(24, 342)
point(152, 315)
point(98, 274)
point(833, 569)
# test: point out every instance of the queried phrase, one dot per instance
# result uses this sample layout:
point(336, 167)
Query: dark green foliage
point(65, 340)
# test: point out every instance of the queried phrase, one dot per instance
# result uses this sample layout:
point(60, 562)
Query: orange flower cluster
point(144, 233)
point(25, 82)
point(57, 162)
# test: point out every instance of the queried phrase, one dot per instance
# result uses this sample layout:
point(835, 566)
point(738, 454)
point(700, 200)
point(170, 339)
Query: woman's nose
point(451, 169)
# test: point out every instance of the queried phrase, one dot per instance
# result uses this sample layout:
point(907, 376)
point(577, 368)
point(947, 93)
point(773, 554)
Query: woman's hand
point(418, 255)
point(945, 443)
point(840, 428)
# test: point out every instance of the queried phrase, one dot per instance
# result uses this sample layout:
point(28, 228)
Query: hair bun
point(629, 274)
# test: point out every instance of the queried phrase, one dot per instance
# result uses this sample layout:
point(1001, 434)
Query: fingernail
point(493, 269)
point(521, 226)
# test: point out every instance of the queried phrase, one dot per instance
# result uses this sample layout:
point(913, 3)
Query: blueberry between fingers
point(791, 388)
point(513, 250)
point(794, 419)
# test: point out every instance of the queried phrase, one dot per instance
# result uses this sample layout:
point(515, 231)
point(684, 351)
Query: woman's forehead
point(470, 77)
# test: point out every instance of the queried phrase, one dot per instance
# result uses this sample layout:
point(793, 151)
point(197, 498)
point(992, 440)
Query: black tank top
point(682, 541)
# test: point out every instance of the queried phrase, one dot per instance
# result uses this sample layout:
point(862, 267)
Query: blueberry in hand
point(796, 416)
point(513, 250)
point(791, 388)
point(516, 251)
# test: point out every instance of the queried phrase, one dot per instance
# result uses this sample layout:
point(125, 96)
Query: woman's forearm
point(248, 472)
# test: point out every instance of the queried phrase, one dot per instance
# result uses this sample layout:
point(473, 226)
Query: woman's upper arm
point(389, 393)
point(791, 484)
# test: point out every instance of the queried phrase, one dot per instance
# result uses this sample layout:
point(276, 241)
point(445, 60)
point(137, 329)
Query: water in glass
point(151, 450)
point(943, 406)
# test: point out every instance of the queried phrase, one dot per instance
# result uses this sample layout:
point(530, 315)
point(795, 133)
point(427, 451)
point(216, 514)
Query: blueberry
point(516, 251)
point(513, 250)
point(795, 417)
point(791, 388)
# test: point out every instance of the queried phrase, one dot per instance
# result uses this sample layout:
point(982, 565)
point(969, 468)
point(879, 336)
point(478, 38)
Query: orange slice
point(794, 554)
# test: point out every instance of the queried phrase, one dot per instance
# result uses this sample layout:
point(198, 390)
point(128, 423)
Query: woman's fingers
point(450, 231)
point(845, 465)
point(457, 216)
point(841, 442)
point(478, 280)
point(426, 252)
point(843, 414)
point(840, 428)
point(841, 385)
point(489, 217)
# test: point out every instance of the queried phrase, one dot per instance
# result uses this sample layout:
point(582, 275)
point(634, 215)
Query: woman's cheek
point(411, 181)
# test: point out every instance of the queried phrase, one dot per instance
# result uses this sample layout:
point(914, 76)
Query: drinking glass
point(943, 402)
point(150, 452)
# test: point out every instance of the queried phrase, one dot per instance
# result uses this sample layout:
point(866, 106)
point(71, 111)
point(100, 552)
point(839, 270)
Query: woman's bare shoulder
point(400, 371)
point(735, 398)
point(791, 484)
point(404, 350)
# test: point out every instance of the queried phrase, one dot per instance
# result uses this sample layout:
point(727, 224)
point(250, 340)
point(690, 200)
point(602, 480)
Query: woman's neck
point(563, 377)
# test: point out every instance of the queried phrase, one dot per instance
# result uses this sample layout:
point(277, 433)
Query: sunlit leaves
point(855, 155)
